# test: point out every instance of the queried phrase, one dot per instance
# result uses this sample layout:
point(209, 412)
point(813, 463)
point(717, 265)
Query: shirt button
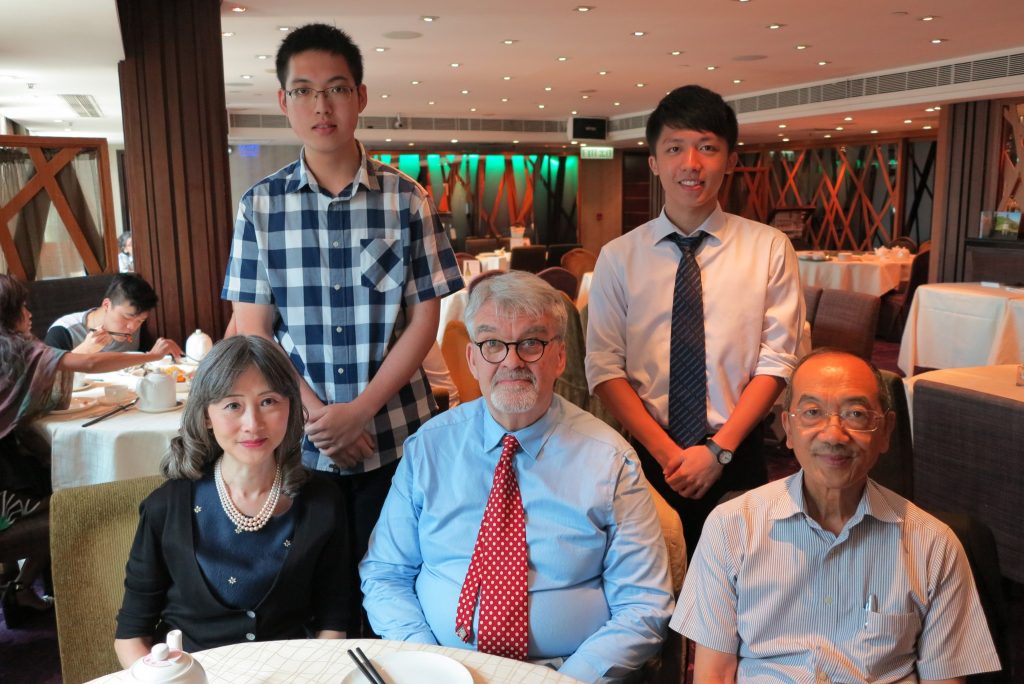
point(250, 636)
point(341, 371)
point(250, 613)
point(822, 677)
point(338, 329)
point(337, 286)
point(828, 602)
point(335, 243)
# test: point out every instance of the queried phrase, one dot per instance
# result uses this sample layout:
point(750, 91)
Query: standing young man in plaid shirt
point(342, 260)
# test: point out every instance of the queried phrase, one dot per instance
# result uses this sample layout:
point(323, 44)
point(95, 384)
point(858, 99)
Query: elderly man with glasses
point(518, 524)
point(826, 576)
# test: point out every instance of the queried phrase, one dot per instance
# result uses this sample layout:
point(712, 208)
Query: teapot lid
point(166, 662)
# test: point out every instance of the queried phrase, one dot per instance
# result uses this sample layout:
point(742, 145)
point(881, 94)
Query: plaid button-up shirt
point(341, 272)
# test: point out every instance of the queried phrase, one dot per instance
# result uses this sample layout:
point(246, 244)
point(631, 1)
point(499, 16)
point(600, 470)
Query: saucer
point(77, 404)
point(177, 405)
point(84, 386)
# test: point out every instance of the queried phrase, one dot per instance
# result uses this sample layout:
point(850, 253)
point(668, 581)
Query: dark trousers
point(746, 471)
point(363, 494)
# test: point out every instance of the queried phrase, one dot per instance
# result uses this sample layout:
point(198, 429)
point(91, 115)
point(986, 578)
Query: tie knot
point(509, 444)
point(688, 243)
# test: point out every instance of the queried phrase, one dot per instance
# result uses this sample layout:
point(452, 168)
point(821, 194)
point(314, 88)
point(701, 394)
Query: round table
point(866, 273)
point(327, 661)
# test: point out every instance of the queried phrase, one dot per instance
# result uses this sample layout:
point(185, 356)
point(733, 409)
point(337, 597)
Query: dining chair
point(475, 245)
point(904, 241)
point(463, 257)
point(557, 251)
point(892, 316)
point(812, 296)
point(846, 320)
point(572, 383)
point(48, 300)
point(561, 279)
point(669, 666)
point(453, 348)
point(579, 261)
point(532, 258)
point(895, 468)
point(91, 533)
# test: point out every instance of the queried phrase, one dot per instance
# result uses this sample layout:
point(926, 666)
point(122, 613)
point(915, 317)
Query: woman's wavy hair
point(13, 296)
point(195, 449)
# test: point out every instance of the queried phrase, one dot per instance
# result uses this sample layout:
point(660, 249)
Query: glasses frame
point(341, 93)
point(543, 348)
point(877, 416)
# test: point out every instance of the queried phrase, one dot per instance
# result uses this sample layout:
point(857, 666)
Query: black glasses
point(853, 420)
point(307, 96)
point(529, 350)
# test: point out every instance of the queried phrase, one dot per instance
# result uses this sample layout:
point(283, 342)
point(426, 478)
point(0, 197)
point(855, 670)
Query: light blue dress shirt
point(599, 586)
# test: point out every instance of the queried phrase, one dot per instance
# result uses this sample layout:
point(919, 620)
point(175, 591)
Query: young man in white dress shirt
point(752, 310)
point(827, 576)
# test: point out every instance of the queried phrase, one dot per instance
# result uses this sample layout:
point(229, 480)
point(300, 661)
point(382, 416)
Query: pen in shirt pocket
point(870, 606)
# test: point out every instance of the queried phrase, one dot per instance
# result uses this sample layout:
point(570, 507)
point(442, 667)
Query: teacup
point(156, 392)
point(844, 256)
point(79, 381)
point(116, 394)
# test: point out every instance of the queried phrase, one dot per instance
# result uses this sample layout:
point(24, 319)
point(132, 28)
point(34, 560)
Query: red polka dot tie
point(497, 571)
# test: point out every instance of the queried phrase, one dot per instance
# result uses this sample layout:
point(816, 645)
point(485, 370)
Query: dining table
point(868, 273)
point(326, 661)
point(998, 380)
point(957, 325)
point(126, 445)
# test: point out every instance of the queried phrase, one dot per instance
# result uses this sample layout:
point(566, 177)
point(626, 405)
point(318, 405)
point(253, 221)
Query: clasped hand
point(338, 430)
point(692, 472)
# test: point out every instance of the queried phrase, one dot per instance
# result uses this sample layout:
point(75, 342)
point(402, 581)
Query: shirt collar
point(872, 502)
point(532, 437)
point(300, 177)
point(713, 225)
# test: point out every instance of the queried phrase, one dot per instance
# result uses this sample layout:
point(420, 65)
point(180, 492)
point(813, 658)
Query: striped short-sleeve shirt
point(341, 272)
point(889, 599)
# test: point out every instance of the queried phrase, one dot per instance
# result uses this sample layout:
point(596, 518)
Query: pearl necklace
point(244, 523)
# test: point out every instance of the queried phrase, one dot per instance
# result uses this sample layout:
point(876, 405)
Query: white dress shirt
point(753, 310)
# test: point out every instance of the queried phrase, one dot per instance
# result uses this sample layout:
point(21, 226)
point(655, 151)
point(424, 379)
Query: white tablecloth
point(127, 445)
point(583, 296)
point(1000, 381)
point(321, 660)
point(956, 325)
point(865, 273)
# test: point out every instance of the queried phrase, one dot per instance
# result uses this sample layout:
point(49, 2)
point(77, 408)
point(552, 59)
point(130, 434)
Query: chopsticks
point(112, 333)
point(104, 416)
point(365, 666)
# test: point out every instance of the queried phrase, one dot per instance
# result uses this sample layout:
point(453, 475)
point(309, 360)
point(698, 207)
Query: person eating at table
point(518, 524)
point(242, 543)
point(825, 575)
point(115, 325)
point(34, 380)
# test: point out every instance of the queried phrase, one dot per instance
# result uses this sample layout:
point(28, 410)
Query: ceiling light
point(782, 125)
point(828, 135)
point(937, 107)
point(586, 97)
point(573, 112)
point(906, 121)
point(584, 8)
point(472, 109)
point(380, 49)
point(455, 65)
point(741, 143)
point(431, 102)
point(822, 63)
point(515, 142)
point(737, 81)
point(936, 41)
point(711, 67)
point(238, 8)
point(927, 128)
point(540, 106)
point(562, 59)
point(617, 104)
point(929, 18)
point(246, 77)
point(508, 41)
point(602, 73)
point(779, 135)
point(262, 56)
point(506, 78)
point(640, 85)
point(839, 128)
point(387, 139)
point(58, 121)
point(429, 19)
point(227, 34)
point(465, 92)
point(411, 144)
point(775, 27)
point(874, 131)
point(384, 96)
point(414, 82)
point(573, 142)
point(929, 109)
point(455, 140)
point(639, 34)
point(802, 47)
point(785, 140)
point(847, 118)
point(676, 53)
point(640, 142)
point(547, 88)
point(284, 28)
point(504, 99)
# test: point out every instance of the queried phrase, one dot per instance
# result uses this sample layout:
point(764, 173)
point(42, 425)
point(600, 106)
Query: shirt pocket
point(886, 641)
point(380, 261)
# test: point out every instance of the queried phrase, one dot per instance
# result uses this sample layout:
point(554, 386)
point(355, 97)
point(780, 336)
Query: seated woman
point(34, 379)
point(241, 543)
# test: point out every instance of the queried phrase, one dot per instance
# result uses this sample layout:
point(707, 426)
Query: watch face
point(724, 457)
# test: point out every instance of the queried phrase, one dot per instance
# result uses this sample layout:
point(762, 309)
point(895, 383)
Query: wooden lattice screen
point(53, 174)
point(1011, 168)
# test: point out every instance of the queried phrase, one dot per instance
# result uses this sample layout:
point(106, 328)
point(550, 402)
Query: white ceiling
point(73, 46)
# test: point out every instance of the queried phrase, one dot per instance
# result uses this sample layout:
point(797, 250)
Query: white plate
point(812, 257)
point(77, 404)
point(85, 385)
point(177, 405)
point(414, 667)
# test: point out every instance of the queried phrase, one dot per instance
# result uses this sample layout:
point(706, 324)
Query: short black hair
point(323, 38)
point(695, 108)
point(131, 288)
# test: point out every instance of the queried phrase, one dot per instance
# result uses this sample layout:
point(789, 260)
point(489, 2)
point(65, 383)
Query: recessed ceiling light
point(782, 125)
point(839, 128)
point(384, 96)
point(929, 109)
point(741, 143)
point(779, 135)
point(380, 49)
point(472, 109)
point(929, 18)
point(828, 135)
point(874, 131)
point(906, 121)
point(847, 118)
point(640, 85)
point(927, 128)
point(562, 59)
point(455, 65)
point(431, 102)
point(547, 88)
point(246, 77)
point(617, 104)
point(586, 97)
point(284, 28)
point(640, 142)
point(455, 140)
point(936, 41)
point(262, 56)
point(387, 139)
point(711, 67)
point(540, 106)
point(414, 82)
point(464, 92)
point(639, 34)
point(239, 9)
point(937, 107)
point(573, 112)
point(802, 47)
point(822, 63)
point(429, 19)
point(504, 99)
point(506, 78)
point(602, 73)
point(573, 142)
point(737, 81)
point(411, 144)
point(676, 53)
point(775, 27)
point(785, 140)
point(583, 144)
point(227, 34)
point(515, 142)
point(508, 41)
point(584, 8)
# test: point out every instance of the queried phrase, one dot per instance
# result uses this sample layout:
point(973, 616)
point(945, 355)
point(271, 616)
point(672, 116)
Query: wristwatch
point(724, 456)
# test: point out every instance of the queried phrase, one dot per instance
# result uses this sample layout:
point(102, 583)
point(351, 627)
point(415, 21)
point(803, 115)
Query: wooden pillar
point(177, 181)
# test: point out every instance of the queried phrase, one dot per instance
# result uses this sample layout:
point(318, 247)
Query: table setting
point(873, 273)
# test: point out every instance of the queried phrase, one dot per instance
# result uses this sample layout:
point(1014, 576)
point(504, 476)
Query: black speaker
point(587, 128)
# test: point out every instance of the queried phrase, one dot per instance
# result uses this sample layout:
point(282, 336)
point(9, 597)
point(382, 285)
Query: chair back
point(904, 241)
point(967, 448)
point(572, 383)
point(48, 300)
point(453, 348)
point(557, 251)
point(847, 321)
point(669, 666)
point(463, 257)
point(532, 258)
point(578, 262)
point(475, 245)
point(91, 533)
point(561, 279)
point(812, 295)
point(895, 468)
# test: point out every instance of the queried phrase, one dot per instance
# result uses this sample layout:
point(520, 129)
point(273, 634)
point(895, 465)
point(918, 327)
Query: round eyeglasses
point(529, 350)
point(852, 420)
point(307, 96)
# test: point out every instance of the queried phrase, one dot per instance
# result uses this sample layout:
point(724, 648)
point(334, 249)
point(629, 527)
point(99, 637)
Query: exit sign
point(594, 152)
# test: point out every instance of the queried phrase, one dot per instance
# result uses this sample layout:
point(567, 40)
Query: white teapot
point(168, 663)
point(156, 392)
point(198, 345)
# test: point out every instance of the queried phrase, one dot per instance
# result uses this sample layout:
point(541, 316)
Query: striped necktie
point(687, 385)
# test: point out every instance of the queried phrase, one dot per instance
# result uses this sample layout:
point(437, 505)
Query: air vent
point(414, 123)
point(84, 106)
